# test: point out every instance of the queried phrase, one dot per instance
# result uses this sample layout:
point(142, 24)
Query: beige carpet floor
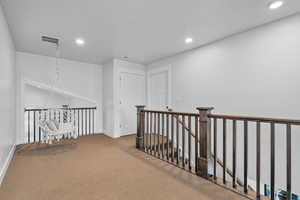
point(100, 168)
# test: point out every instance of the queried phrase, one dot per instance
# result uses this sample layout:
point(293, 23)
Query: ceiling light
point(276, 4)
point(188, 40)
point(79, 41)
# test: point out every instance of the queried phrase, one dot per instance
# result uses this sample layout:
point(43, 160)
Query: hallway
point(98, 167)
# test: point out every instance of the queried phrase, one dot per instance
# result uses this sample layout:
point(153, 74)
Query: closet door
point(132, 93)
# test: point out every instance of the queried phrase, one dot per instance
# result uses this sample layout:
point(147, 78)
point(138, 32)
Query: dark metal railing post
point(224, 149)
point(289, 162)
point(258, 158)
point(151, 132)
point(189, 142)
point(215, 147)
point(245, 156)
point(196, 143)
point(139, 136)
point(183, 143)
point(234, 153)
point(205, 141)
point(272, 160)
point(34, 124)
point(28, 125)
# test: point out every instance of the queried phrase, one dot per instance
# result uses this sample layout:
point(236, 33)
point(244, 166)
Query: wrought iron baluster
point(289, 161)
point(272, 161)
point(234, 153)
point(246, 156)
point(258, 160)
point(224, 149)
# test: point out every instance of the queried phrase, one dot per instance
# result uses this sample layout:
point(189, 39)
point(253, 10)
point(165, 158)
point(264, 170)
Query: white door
point(159, 94)
point(132, 93)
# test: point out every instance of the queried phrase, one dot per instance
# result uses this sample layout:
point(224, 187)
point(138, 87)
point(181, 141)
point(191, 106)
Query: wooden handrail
point(219, 161)
point(171, 112)
point(45, 109)
point(232, 117)
point(202, 130)
point(255, 119)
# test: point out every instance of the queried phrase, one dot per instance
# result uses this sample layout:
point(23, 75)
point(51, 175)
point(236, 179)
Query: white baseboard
point(100, 131)
point(114, 137)
point(7, 163)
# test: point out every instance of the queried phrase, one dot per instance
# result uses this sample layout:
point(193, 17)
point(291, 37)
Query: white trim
point(7, 163)
point(168, 69)
point(111, 136)
point(100, 131)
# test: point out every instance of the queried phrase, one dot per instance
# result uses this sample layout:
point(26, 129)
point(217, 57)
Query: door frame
point(132, 72)
point(167, 68)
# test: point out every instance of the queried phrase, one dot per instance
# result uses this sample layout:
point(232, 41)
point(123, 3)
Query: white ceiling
point(143, 30)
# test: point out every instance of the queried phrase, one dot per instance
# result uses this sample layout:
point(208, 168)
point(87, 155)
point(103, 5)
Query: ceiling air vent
point(50, 39)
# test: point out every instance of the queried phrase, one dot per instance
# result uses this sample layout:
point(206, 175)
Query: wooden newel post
point(205, 141)
point(139, 134)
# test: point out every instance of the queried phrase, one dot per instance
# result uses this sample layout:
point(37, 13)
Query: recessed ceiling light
point(276, 4)
point(188, 40)
point(80, 41)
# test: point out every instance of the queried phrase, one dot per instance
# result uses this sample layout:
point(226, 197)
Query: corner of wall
point(7, 163)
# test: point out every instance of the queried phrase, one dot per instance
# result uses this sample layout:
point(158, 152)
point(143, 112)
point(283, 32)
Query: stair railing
point(219, 161)
point(272, 122)
point(160, 135)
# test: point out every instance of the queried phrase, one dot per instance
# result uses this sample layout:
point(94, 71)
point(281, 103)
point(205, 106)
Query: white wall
point(254, 73)
point(36, 98)
point(111, 92)
point(108, 98)
point(80, 82)
point(7, 94)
